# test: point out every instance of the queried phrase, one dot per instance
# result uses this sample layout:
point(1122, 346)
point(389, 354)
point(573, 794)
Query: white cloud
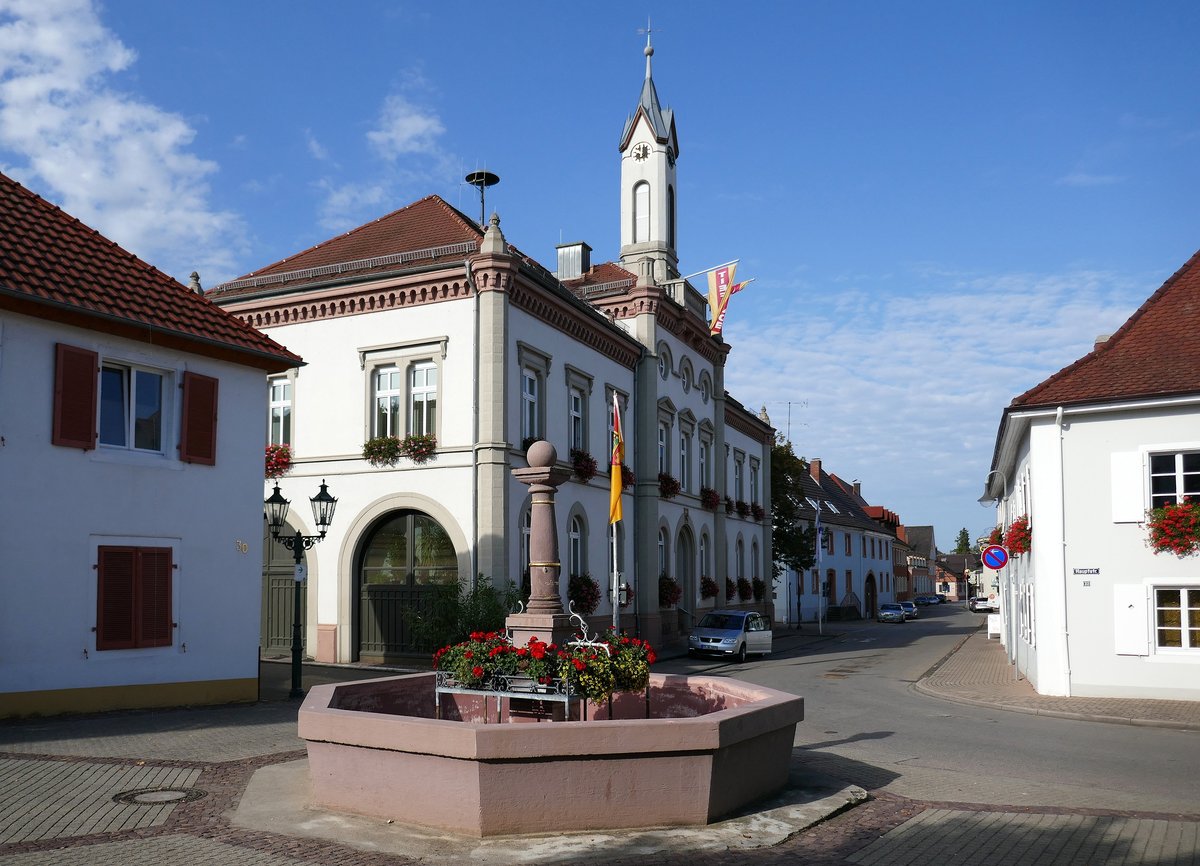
point(116, 162)
point(315, 149)
point(905, 391)
point(344, 203)
point(403, 128)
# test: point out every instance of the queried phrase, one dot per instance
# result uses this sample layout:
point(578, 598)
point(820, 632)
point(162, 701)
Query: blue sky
point(941, 203)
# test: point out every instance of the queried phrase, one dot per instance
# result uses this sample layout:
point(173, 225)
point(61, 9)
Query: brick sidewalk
point(978, 673)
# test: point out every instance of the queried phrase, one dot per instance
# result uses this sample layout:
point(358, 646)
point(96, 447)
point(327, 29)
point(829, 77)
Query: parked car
point(735, 633)
point(943, 598)
point(927, 599)
point(890, 611)
point(910, 609)
point(980, 603)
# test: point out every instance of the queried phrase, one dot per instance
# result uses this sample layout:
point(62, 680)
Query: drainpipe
point(470, 280)
point(1062, 502)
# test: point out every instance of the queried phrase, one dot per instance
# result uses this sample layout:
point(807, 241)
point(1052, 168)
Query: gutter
point(1062, 492)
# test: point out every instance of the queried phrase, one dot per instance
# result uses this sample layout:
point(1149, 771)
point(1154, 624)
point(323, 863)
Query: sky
point(941, 203)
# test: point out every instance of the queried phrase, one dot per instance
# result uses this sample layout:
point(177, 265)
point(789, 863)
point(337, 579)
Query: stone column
point(544, 617)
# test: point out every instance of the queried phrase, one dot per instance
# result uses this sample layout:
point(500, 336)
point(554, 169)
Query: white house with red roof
point(1091, 609)
point(131, 425)
point(423, 322)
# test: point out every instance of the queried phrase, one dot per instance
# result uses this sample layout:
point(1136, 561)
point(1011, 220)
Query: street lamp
point(277, 508)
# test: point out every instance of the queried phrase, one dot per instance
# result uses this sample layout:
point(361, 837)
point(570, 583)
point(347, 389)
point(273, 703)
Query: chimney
point(814, 469)
point(574, 260)
point(194, 284)
point(858, 488)
point(1100, 341)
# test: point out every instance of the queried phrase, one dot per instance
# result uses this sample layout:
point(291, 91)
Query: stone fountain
point(690, 751)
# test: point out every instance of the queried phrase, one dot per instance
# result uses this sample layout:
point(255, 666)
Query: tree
point(963, 543)
point(794, 545)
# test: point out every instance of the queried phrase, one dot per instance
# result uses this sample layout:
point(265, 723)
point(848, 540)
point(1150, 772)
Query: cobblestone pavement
point(186, 781)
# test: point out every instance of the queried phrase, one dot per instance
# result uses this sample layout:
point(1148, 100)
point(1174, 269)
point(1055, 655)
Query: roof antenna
point(482, 180)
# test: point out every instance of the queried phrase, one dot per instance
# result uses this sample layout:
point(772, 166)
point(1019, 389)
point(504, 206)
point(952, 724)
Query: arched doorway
point(278, 594)
point(870, 608)
point(685, 573)
point(406, 558)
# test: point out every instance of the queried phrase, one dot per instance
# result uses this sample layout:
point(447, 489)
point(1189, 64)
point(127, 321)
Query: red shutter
point(154, 601)
point(76, 374)
point(198, 436)
point(115, 598)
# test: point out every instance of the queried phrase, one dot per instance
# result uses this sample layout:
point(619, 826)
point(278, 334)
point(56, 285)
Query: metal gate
point(278, 596)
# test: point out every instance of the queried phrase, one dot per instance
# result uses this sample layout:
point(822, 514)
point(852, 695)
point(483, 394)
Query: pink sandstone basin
point(688, 752)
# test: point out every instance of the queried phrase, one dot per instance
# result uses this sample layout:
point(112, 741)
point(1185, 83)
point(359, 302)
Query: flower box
point(709, 498)
point(278, 460)
point(743, 508)
point(708, 587)
point(1019, 537)
point(583, 465)
point(745, 590)
point(757, 511)
point(668, 485)
point(1175, 528)
point(669, 591)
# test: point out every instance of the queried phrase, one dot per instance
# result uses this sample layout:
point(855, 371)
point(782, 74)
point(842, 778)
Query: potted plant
point(631, 660)
point(709, 498)
point(278, 460)
point(708, 587)
point(757, 511)
point(583, 593)
point(583, 464)
point(668, 485)
point(418, 447)
point(759, 588)
point(1175, 528)
point(669, 591)
point(1019, 536)
point(744, 590)
point(996, 536)
point(743, 508)
point(628, 479)
point(729, 505)
point(382, 450)
point(730, 589)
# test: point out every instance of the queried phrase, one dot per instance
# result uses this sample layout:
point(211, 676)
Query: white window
point(664, 453)
point(1173, 477)
point(641, 213)
point(685, 378)
point(530, 428)
point(576, 544)
point(131, 407)
point(1177, 617)
point(739, 566)
point(754, 481)
point(279, 425)
point(705, 571)
point(685, 462)
point(388, 397)
point(705, 459)
point(422, 398)
point(576, 401)
point(738, 482)
point(662, 551)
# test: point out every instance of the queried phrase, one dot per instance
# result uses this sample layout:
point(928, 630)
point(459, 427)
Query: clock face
point(641, 151)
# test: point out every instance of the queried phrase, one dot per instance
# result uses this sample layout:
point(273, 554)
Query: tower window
point(641, 213)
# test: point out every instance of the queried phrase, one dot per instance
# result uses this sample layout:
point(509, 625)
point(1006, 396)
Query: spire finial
point(649, 49)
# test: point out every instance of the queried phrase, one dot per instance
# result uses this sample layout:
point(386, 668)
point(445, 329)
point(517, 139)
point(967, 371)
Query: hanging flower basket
point(743, 508)
point(744, 589)
point(419, 447)
point(278, 460)
point(709, 498)
point(584, 593)
point(996, 536)
point(757, 511)
point(669, 591)
point(1175, 528)
point(1019, 537)
point(668, 485)
point(759, 587)
point(584, 465)
point(708, 587)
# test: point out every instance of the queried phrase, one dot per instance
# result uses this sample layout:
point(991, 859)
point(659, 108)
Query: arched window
point(754, 559)
point(641, 213)
point(705, 571)
point(576, 547)
point(526, 533)
point(739, 566)
point(671, 217)
point(409, 547)
point(662, 551)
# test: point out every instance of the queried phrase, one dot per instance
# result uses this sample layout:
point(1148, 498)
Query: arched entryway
point(870, 598)
point(279, 593)
point(405, 559)
point(685, 574)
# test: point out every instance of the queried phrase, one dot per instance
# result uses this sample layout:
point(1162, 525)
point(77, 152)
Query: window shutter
point(1131, 633)
point(198, 434)
point(1128, 487)
point(154, 586)
point(115, 598)
point(75, 378)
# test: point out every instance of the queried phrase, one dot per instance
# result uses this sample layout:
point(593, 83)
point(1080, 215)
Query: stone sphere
point(541, 454)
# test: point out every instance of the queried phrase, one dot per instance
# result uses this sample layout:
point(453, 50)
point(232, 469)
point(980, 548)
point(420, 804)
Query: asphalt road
point(864, 723)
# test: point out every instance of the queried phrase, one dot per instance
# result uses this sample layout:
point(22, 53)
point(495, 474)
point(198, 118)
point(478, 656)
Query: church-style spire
point(660, 119)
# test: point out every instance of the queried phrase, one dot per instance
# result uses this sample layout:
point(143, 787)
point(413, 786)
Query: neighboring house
point(922, 561)
point(131, 422)
point(853, 572)
point(954, 571)
point(423, 322)
point(1091, 609)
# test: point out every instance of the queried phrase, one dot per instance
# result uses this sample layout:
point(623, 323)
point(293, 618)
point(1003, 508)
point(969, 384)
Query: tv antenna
point(482, 180)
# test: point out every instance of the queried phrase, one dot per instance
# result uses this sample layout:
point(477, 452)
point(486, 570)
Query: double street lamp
point(277, 510)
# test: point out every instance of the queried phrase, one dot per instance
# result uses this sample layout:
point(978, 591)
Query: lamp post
point(277, 508)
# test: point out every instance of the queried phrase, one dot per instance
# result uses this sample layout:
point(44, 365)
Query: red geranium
point(1175, 528)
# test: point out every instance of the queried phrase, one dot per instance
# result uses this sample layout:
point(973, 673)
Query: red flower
point(579, 666)
point(476, 671)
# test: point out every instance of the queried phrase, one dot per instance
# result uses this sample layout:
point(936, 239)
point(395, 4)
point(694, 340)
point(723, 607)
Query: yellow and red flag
point(721, 288)
point(617, 461)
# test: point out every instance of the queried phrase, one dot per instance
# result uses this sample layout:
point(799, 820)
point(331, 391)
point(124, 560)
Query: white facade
point(62, 505)
point(1081, 608)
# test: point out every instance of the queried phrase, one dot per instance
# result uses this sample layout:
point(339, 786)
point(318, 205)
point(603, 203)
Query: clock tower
point(649, 148)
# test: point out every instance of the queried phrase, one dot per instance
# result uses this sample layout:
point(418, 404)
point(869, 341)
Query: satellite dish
point(482, 180)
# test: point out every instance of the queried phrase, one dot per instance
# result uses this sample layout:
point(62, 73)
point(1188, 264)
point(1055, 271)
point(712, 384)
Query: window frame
point(579, 387)
point(533, 367)
point(1179, 476)
point(287, 405)
point(131, 392)
point(402, 356)
point(1184, 626)
point(394, 394)
point(428, 415)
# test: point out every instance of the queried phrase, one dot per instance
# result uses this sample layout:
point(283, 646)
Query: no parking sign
point(995, 557)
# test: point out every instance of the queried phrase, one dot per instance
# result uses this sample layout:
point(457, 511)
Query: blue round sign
point(995, 557)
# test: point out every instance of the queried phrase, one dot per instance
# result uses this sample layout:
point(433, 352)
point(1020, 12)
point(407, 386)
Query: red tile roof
point(53, 266)
point(1154, 354)
point(431, 228)
point(602, 274)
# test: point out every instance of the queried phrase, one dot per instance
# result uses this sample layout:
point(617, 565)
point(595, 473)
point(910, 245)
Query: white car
point(735, 633)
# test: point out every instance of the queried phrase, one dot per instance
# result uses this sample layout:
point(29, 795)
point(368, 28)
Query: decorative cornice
point(744, 422)
point(652, 300)
point(564, 316)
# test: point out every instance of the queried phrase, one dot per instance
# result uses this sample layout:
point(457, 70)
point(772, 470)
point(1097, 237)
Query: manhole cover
point(158, 796)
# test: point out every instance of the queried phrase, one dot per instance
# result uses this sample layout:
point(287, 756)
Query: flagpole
point(707, 270)
point(616, 591)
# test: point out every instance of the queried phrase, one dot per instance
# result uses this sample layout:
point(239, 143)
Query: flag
point(617, 461)
point(721, 288)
